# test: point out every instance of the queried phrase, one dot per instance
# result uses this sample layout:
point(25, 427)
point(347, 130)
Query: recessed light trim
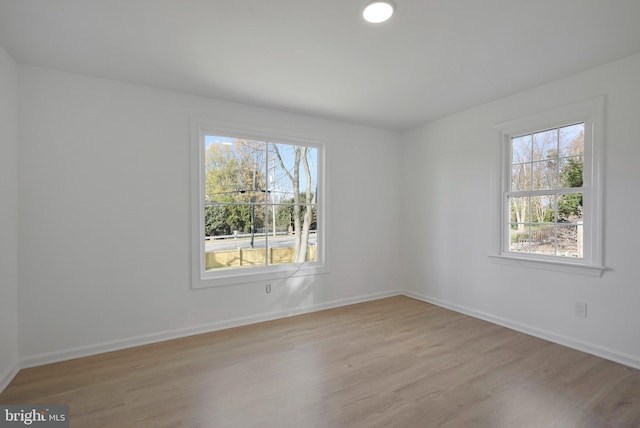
point(378, 11)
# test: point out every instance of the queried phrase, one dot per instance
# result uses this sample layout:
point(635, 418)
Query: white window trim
point(592, 113)
point(202, 279)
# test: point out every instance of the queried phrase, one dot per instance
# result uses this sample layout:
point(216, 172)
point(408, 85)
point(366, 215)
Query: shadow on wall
point(294, 295)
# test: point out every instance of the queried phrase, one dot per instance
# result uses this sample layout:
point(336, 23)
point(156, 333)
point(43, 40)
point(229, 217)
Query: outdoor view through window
point(260, 203)
point(546, 198)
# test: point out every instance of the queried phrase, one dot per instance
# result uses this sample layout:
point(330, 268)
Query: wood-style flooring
point(394, 362)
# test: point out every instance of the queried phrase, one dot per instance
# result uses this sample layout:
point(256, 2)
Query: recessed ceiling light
point(377, 12)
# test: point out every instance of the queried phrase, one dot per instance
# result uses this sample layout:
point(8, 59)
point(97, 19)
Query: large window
point(550, 189)
point(259, 206)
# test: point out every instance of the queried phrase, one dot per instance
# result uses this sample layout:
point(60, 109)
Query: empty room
point(249, 213)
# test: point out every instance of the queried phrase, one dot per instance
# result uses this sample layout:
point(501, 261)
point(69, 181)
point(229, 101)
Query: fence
point(567, 239)
point(255, 257)
point(535, 236)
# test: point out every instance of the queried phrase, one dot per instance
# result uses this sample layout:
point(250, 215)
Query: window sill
point(552, 265)
point(251, 276)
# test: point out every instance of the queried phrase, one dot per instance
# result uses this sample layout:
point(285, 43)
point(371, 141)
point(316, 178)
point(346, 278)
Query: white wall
point(446, 171)
point(8, 218)
point(104, 213)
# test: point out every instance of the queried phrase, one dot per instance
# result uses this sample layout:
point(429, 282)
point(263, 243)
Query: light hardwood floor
point(394, 362)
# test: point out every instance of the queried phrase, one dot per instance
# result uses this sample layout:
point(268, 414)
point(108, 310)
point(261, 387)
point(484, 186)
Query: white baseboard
point(589, 348)
point(99, 348)
point(7, 377)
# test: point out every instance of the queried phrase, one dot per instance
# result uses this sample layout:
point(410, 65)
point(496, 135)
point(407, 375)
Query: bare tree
point(308, 214)
point(301, 226)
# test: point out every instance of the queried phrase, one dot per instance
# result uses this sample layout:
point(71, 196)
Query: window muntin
point(545, 199)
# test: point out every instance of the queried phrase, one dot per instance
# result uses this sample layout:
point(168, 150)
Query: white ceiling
point(433, 58)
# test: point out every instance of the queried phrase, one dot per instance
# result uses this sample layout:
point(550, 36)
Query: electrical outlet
point(581, 309)
point(267, 289)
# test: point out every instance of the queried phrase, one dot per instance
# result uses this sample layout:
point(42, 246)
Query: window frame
point(591, 112)
point(200, 278)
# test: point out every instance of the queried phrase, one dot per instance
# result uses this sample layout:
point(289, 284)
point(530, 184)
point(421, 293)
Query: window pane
point(222, 169)
point(572, 140)
point(543, 240)
point(233, 168)
point(542, 209)
point(545, 174)
point(284, 247)
point(215, 220)
point(570, 240)
point(233, 243)
point(545, 145)
point(252, 161)
point(519, 238)
point(570, 208)
point(521, 149)
point(284, 161)
point(521, 177)
point(572, 172)
point(519, 210)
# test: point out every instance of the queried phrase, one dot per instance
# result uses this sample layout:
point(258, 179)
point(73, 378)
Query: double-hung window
point(257, 206)
point(550, 189)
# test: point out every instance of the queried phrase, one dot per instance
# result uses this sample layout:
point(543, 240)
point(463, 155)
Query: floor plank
point(394, 362)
